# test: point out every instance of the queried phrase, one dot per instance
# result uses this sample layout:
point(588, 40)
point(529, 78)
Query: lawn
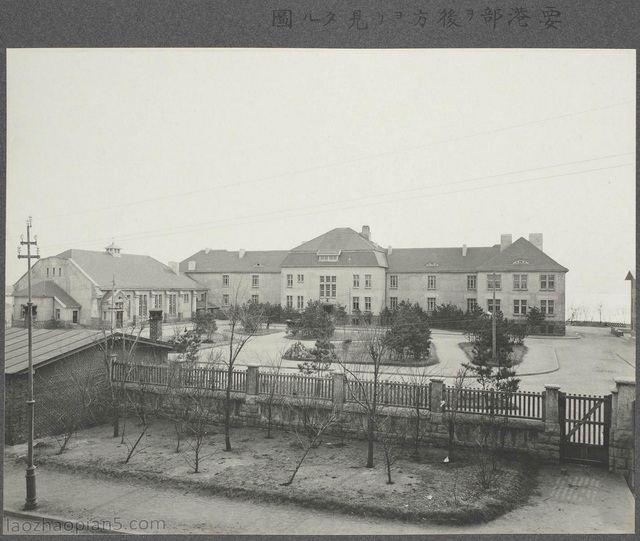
point(333, 476)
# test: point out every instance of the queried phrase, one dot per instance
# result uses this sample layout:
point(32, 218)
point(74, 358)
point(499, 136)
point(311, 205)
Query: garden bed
point(331, 478)
point(518, 353)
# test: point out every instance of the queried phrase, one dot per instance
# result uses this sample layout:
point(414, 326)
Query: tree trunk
point(370, 430)
point(227, 412)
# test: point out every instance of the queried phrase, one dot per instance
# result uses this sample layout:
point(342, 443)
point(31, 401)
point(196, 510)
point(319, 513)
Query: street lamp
point(31, 501)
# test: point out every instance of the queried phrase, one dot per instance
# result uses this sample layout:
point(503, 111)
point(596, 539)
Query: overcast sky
point(172, 151)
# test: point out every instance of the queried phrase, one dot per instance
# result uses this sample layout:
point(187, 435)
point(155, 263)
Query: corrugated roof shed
point(50, 345)
point(130, 271)
point(266, 261)
point(47, 290)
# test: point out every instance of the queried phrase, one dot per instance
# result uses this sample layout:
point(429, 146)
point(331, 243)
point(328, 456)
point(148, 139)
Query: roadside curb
point(76, 526)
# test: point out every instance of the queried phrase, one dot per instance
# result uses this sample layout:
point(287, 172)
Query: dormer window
point(258, 265)
point(431, 265)
point(328, 257)
point(521, 262)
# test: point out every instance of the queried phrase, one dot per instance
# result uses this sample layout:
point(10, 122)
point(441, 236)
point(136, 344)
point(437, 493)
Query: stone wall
point(621, 437)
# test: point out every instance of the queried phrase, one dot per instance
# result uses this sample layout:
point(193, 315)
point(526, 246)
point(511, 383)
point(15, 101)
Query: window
point(255, 280)
point(471, 305)
point(104, 316)
point(47, 272)
point(58, 313)
point(472, 282)
point(203, 297)
point(300, 302)
point(547, 307)
point(301, 278)
point(367, 304)
point(289, 301)
point(327, 258)
point(356, 281)
point(431, 281)
point(59, 271)
point(53, 271)
point(393, 281)
point(548, 282)
point(393, 303)
point(490, 305)
point(172, 305)
point(142, 306)
point(431, 304)
point(225, 280)
point(367, 281)
point(74, 316)
point(157, 302)
point(128, 306)
point(327, 286)
point(519, 307)
point(255, 299)
point(289, 280)
point(494, 281)
point(356, 304)
point(225, 300)
point(185, 298)
point(520, 282)
point(191, 265)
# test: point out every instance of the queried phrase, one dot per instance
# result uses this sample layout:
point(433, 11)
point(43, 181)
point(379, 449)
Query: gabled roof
point(336, 240)
point(439, 259)
point(521, 255)
point(629, 276)
point(50, 345)
point(268, 261)
point(48, 290)
point(129, 270)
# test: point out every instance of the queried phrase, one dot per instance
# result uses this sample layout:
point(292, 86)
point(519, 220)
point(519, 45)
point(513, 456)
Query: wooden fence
point(523, 405)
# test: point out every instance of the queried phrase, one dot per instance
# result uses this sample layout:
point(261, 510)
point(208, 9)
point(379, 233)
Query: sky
point(170, 151)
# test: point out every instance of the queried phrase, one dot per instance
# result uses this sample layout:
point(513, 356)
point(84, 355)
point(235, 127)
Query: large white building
point(345, 267)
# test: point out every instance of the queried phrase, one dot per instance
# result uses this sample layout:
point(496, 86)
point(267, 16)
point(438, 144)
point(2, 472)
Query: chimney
point(207, 250)
point(175, 266)
point(505, 242)
point(390, 250)
point(366, 232)
point(155, 325)
point(536, 240)
point(241, 253)
point(464, 250)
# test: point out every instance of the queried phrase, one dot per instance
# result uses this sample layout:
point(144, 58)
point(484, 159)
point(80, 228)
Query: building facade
point(345, 267)
point(106, 289)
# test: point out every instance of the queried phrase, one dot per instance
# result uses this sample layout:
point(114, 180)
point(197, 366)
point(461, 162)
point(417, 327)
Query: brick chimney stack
point(536, 240)
point(505, 242)
point(366, 232)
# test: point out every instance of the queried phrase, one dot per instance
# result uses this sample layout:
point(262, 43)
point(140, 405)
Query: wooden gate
point(584, 428)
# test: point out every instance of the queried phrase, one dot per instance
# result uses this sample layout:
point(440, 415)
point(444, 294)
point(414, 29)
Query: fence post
point(436, 394)
point(253, 373)
point(621, 441)
point(338, 388)
point(551, 411)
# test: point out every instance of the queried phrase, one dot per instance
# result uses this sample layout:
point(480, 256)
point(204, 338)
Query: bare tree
point(365, 389)
point(450, 411)
point(196, 415)
point(269, 382)
point(418, 378)
point(390, 440)
point(244, 322)
point(313, 418)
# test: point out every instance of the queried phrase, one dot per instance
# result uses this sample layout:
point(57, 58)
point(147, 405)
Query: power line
point(235, 184)
point(219, 223)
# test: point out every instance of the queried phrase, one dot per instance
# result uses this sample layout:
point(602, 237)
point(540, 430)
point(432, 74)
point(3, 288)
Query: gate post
point(621, 442)
point(552, 421)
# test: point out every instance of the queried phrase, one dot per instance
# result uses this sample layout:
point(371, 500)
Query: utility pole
point(31, 501)
point(493, 324)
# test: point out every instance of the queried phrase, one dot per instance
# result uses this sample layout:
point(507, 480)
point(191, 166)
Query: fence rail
point(296, 385)
point(523, 405)
point(389, 393)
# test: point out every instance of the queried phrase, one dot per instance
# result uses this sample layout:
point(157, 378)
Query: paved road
point(586, 361)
